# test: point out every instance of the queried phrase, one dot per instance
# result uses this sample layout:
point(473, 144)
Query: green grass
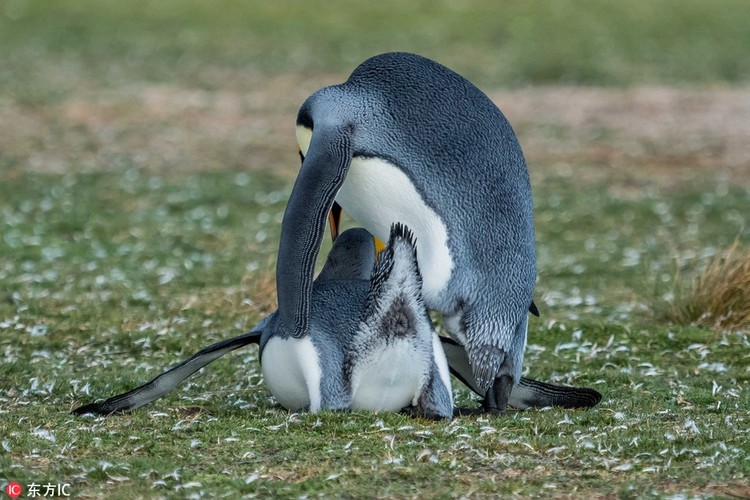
point(110, 273)
point(53, 48)
point(105, 279)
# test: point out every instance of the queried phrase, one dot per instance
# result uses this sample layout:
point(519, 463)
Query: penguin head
point(351, 257)
point(304, 131)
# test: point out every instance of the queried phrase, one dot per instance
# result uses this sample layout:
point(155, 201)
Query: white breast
point(389, 378)
point(291, 370)
point(377, 193)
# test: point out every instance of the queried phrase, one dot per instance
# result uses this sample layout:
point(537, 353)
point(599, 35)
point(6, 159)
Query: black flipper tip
point(586, 398)
point(95, 409)
point(533, 309)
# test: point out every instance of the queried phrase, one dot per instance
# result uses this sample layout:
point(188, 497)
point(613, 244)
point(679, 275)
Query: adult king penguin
point(407, 140)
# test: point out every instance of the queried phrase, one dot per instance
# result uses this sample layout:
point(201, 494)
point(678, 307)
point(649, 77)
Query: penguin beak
point(334, 221)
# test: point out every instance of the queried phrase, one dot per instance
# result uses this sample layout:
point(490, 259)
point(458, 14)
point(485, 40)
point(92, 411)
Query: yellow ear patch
point(304, 137)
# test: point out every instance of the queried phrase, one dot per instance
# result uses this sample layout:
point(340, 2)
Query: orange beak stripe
point(334, 220)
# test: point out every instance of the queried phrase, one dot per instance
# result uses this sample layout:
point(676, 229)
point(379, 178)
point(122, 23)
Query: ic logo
point(14, 490)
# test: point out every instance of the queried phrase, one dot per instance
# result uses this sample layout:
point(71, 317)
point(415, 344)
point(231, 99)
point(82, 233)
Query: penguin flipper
point(459, 365)
point(168, 380)
point(527, 393)
point(530, 393)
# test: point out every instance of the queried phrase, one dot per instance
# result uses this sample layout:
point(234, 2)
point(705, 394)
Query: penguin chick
point(407, 140)
point(395, 360)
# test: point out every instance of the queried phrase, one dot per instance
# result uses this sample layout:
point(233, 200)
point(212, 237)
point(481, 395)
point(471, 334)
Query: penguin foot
point(415, 412)
point(496, 399)
point(468, 412)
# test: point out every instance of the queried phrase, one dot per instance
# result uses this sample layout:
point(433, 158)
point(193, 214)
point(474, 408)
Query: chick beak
point(379, 246)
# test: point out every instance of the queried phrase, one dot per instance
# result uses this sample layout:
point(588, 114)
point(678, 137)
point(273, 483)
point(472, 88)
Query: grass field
point(512, 42)
point(146, 154)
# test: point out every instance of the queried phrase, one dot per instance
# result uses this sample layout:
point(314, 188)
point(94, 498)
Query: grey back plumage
point(455, 145)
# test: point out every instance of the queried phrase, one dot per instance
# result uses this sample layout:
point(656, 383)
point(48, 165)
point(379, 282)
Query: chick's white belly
point(377, 193)
point(291, 370)
point(389, 379)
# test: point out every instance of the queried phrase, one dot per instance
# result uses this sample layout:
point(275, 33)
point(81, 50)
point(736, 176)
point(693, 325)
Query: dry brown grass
point(719, 297)
point(254, 297)
point(628, 138)
point(260, 287)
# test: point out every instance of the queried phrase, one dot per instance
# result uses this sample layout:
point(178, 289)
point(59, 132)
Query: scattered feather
point(690, 426)
point(44, 434)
